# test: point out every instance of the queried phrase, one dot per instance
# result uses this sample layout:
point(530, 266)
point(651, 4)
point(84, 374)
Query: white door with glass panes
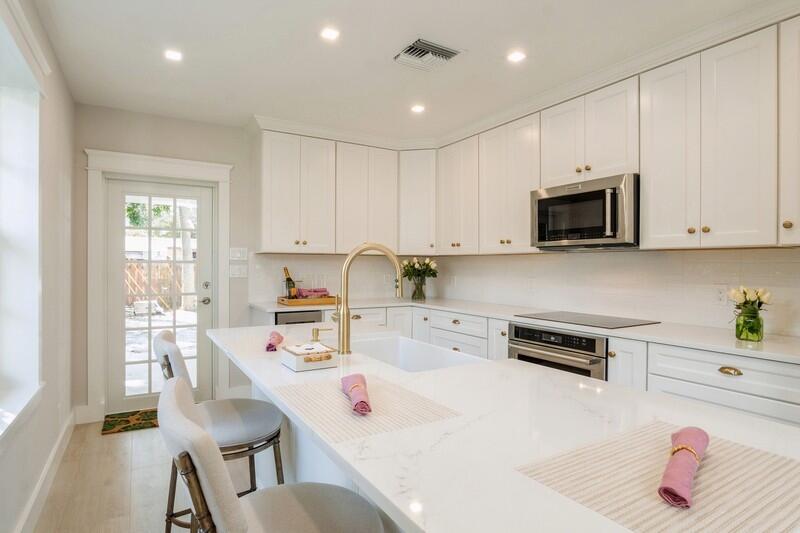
point(159, 278)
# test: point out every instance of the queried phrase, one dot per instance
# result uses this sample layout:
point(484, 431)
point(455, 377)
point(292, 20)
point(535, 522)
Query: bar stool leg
point(276, 449)
point(252, 461)
point(173, 479)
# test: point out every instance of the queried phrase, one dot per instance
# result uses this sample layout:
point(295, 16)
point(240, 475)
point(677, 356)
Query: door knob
point(578, 170)
point(691, 231)
point(206, 284)
point(612, 354)
point(706, 229)
point(206, 300)
point(588, 167)
point(788, 224)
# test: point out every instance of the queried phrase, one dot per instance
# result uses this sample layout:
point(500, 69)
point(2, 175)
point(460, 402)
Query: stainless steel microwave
point(600, 213)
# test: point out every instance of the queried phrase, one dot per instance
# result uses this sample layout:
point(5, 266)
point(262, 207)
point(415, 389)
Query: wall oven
point(577, 353)
point(598, 213)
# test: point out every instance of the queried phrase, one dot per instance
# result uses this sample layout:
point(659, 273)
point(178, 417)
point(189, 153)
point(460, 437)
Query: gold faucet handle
point(315, 333)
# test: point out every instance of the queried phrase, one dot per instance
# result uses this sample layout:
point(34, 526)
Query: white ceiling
point(265, 57)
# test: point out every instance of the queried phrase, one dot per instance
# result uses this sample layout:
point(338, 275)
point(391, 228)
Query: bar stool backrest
point(169, 356)
point(198, 459)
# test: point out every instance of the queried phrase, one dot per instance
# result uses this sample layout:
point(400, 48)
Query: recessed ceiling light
point(516, 56)
point(173, 55)
point(329, 34)
point(418, 108)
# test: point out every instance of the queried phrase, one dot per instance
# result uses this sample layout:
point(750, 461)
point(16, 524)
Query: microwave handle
point(608, 231)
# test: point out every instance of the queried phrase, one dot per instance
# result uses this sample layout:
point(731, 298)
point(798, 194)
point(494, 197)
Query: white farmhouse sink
point(410, 355)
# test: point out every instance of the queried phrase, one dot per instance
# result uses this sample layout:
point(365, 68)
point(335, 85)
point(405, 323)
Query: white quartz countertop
point(459, 474)
point(774, 347)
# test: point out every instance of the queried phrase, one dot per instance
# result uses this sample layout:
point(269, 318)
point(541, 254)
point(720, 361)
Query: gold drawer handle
point(316, 358)
point(705, 229)
point(588, 167)
point(297, 242)
point(355, 317)
point(456, 349)
point(578, 170)
point(691, 231)
point(508, 241)
point(456, 321)
point(503, 333)
point(502, 241)
point(424, 319)
point(730, 371)
point(612, 354)
point(788, 224)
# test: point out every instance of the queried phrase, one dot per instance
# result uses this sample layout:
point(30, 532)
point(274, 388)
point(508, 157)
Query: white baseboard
point(33, 509)
point(86, 414)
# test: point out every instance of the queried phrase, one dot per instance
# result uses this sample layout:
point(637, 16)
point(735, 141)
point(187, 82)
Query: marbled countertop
point(459, 474)
point(774, 347)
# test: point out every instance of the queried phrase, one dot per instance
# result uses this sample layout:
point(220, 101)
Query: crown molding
point(17, 22)
point(732, 27)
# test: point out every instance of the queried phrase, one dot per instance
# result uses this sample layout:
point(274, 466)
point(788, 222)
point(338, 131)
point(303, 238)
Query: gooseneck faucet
point(342, 307)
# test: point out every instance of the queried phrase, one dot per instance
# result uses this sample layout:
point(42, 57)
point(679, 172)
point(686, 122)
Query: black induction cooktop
point(583, 319)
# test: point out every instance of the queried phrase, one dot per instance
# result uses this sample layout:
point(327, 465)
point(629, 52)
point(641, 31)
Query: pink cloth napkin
point(275, 339)
point(312, 293)
point(676, 485)
point(355, 387)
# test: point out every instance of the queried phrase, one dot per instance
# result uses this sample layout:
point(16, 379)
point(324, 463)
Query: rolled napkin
point(355, 387)
point(312, 293)
point(688, 447)
point(275, 339)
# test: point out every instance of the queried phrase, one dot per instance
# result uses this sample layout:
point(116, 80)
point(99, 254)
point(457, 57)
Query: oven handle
point(609, 233)
point(569, 360)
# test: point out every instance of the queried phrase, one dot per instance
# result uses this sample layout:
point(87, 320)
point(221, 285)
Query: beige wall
point(122, 131)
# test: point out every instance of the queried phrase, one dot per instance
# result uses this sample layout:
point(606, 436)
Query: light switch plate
point(238, 254)
point(238, 270)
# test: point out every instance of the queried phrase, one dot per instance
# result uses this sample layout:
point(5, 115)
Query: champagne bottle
point(291, 289)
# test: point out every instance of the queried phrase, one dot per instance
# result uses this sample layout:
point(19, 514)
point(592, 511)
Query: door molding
point(100, 164)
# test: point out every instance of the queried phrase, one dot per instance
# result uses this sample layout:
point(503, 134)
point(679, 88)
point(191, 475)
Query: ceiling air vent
point(425, 55)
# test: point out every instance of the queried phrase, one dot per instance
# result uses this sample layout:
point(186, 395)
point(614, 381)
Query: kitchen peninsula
point(460, 473)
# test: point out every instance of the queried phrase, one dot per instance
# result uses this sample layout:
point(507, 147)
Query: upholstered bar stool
point(240, 427)
point(298, 508)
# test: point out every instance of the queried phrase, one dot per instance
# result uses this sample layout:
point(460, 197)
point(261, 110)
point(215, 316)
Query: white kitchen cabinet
point(739, 142)
point(400, 319)
point(562, 143)
point(627, 363)
point(422, 325)
point(509, 171)
point(457, 198)
point(374, 316)
point(670, 152)
point(458, 342)
point(498, 339)
point(297, 171)
point(789, 133)
point(593, 136)
point(459, 323)
point(366, 196)
point(417, 202)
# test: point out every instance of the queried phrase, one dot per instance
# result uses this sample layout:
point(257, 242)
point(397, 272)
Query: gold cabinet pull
point(508, 241)
point(305, 242)
point(730, 371)
point(355, 317)
point(612, 354)
point(431, 245)
point(456, 321)
point(297, 242)
point(788, 224)
point(453, 244)
point(424, 319)
point(502, 241)
point(458, 245)
point(705, 229)
point(588, 167)
point(578, 170)
point(691, 231)
point(503, 333)
point(456, 349)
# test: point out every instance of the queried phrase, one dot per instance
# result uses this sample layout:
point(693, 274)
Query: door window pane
point(187, 214)
point(157, 376)
point(161, 278)
point(191, 366)
point(137, 345)
point(162, 213)
point(136, 244)
point(162, 245)
point(186, 277)
point(136, 212)
point(162, 308)
point(186, 311)
point(136, 279)
point(136, 381)
point(186, 246)
point(186, 339)
point(137, 311)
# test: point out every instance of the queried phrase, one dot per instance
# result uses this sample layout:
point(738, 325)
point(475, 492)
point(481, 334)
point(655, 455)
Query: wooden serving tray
point(328, 300)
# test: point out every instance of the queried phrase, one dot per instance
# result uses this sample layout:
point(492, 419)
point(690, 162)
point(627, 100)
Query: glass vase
point(419, 289)
point(750, 327)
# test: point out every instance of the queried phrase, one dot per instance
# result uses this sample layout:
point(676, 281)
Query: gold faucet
point(342, 309)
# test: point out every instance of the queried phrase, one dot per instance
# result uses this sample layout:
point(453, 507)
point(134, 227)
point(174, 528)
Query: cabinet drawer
point(468, 324)
point(458, 342)
point(373, 315)
point(768, 379)
point(783, 411)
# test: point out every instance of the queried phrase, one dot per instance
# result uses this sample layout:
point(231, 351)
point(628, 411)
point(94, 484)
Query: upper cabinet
point(509, 171)
point(366, 196)
point(457, 198)
point(739, 112)
point(789, 120)
point(670, 150)
point(297, 172)
point(593, 136)
point(417, 202)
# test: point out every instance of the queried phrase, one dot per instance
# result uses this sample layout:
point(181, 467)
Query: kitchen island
point(460, 474)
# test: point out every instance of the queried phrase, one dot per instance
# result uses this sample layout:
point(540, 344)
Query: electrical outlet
point(238, 270)
point(721, 294)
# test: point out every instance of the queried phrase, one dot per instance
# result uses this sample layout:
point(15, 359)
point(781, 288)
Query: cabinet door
point(382, 198)
point(612, 130)
point(448, 204)
point(563, 143)
point(458, 342)
point(523, 177)
point(494, 185)
point(400, 319)
point(352, 196)
point(789, 118)
point(467, 187)
point(739, 141)
point(417, 202)
point(670, 149)
point(498, 339)
point(422, 325)
point(280, 192)
point(317, 196)
point(627, 363)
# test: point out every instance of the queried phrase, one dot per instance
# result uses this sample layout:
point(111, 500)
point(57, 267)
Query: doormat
point(130, 421)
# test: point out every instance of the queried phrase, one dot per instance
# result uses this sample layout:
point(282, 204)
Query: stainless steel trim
point(601, 343)
point(626, 187)
point(595, 365)
point(609, 193)
point(298, 317)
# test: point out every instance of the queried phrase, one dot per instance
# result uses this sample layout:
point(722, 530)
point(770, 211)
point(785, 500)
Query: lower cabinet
point(498, 339)
point(400, 319)
point(422, 325)
point(458, 342)
point(375, 316)
point(627, 363)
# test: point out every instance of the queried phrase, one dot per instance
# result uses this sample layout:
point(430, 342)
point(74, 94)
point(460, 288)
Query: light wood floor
point(115, 483)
